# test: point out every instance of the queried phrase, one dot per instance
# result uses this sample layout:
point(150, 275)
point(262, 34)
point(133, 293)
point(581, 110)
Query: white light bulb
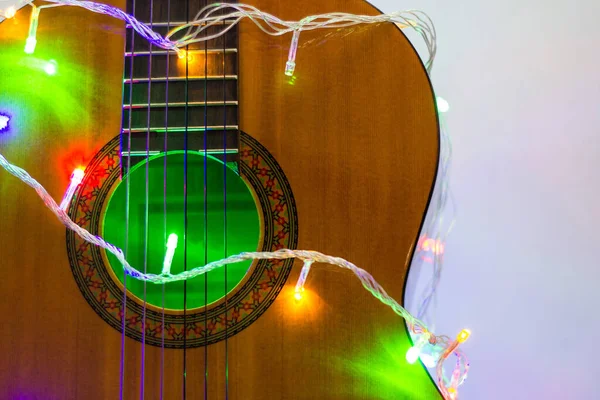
point(171, 246)
point(442, 105)
point(30, 45)
point(76, 178)
point(51, 67)
point(412, 355)
point(428, 360)
point(10, 12)
point(3, 122)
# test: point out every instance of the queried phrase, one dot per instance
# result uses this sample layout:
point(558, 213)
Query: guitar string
point(224, 38)
point(205, 218)
point(162, 340)
point(127, 198)
point(185, 206)
point(147, 205)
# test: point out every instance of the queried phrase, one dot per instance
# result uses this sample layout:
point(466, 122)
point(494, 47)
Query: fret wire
point(191, 78)
point(174, 24)
point(183, 129)
point(165, 52)
point(175, 104)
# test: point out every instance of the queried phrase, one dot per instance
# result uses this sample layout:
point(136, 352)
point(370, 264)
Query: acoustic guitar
point(224, 150)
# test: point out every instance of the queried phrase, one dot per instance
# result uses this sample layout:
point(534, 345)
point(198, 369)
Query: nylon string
point(205, 219)
point(162, 339)
point(127, 194)
point(185, 208)
point(146, 211)
point(225, 216)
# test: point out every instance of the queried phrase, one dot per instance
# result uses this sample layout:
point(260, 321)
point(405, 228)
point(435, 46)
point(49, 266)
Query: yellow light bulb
point(463, 336)
point(298, 296)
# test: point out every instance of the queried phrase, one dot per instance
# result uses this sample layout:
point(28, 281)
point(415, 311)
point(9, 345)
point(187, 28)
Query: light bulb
point(442, 105)
point(30, 45)
point(463, 336)
point(171, 246)
point(452, 393)
point(78, 175)
point(290, 66)
point(428, 360)
point(33, 24)
point(51, 67)
point(412, 355)
point(10, 12)
point(76, 178)
point(299, 293)
point(4, 122)
point(302, 279)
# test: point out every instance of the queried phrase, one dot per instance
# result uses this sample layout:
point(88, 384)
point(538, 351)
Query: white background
point(522, 80)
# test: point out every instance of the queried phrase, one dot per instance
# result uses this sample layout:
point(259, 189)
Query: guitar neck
point(174, 103)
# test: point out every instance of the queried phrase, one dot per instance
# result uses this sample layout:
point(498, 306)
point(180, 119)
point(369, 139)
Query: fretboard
point(172, 103)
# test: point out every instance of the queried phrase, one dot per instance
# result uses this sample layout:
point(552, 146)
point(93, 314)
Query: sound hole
point(220, 223)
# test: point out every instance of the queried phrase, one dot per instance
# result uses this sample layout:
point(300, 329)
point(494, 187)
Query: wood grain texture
point(357, 137)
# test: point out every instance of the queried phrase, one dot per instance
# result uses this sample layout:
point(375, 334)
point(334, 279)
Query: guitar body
point(354, 136)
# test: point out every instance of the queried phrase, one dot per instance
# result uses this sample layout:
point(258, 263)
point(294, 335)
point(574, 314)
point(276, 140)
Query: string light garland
point(430, 247)
point(431, 349)
point(213, 16)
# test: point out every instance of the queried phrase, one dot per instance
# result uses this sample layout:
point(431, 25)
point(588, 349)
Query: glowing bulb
point(171, 246)
point(302, 279)
point(4, 122)
point(298, 296)
point(442, 105)
point(412, 355)
point(463, 336)
point(30, 45)
point(33, 24)
point(10, 12)
point(76, 179)
point(51, 67)
point(428, 360)
point(290, 66)
point(452, 393)
point(78, 175)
